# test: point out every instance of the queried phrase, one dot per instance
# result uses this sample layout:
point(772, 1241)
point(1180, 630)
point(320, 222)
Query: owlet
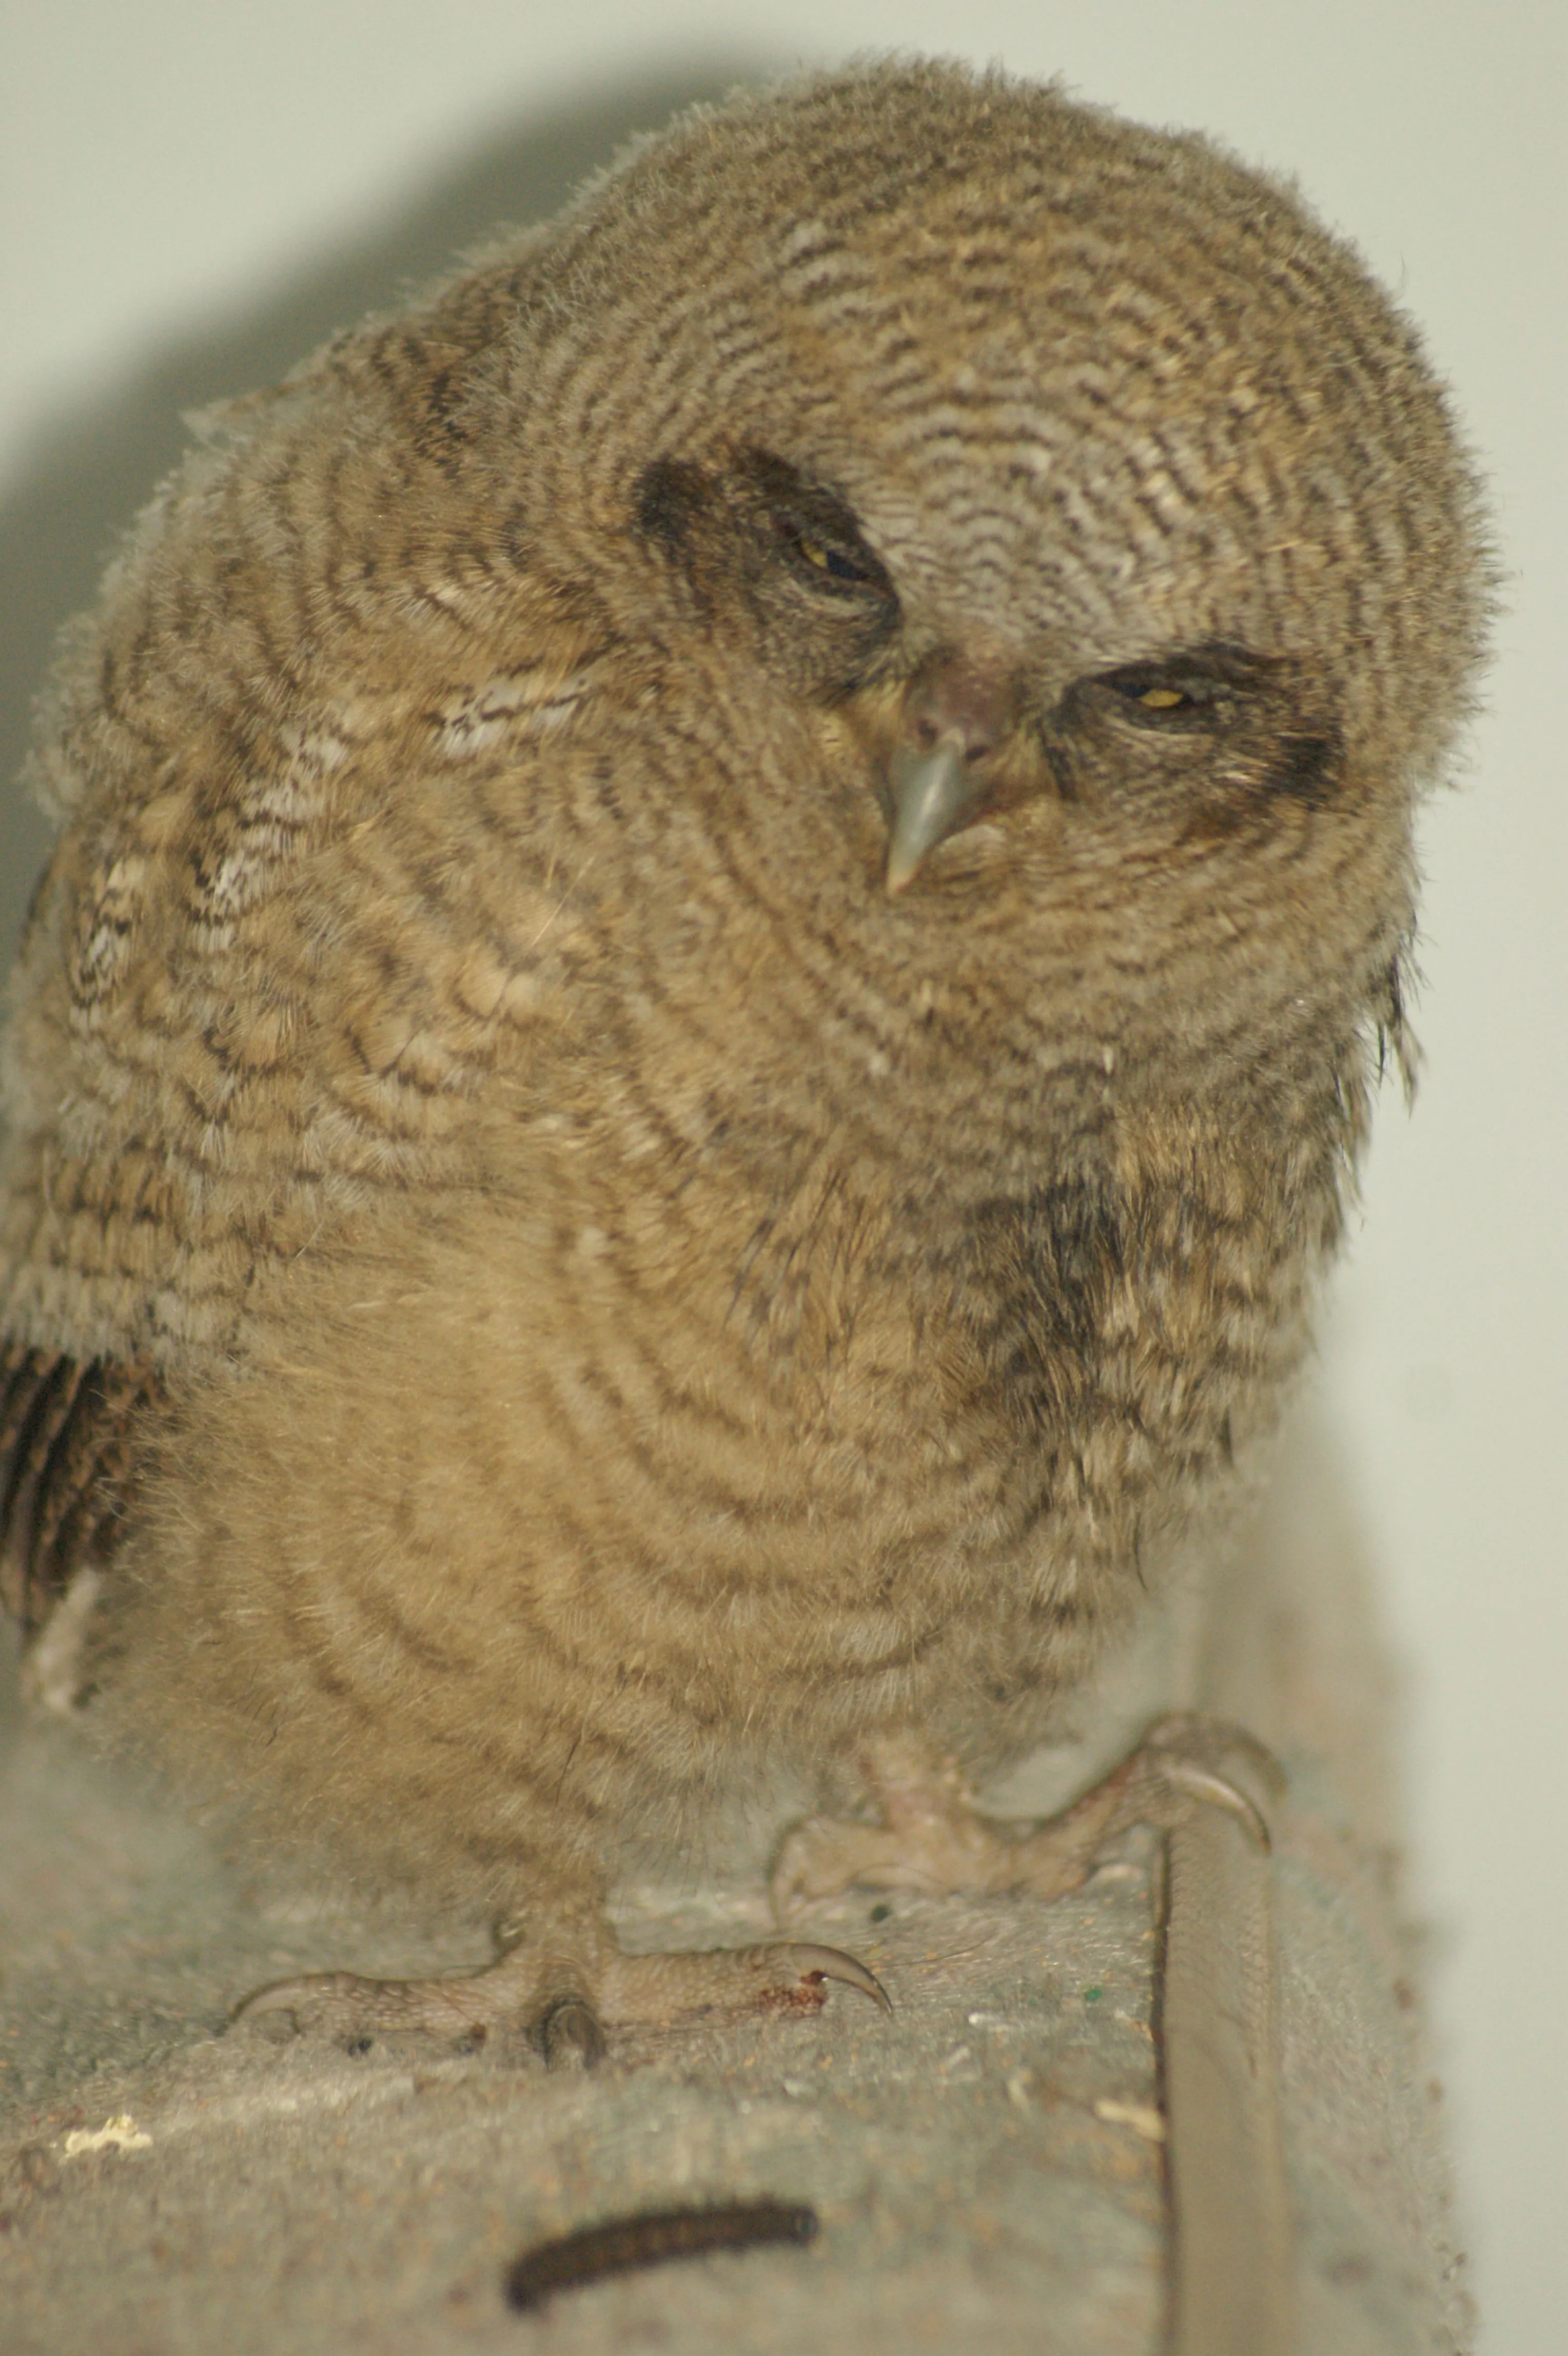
point(726, 904)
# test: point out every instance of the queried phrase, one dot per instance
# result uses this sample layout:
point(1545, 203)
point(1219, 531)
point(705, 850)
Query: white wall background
point(193, 194)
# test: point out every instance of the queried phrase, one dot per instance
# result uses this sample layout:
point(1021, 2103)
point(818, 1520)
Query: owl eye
point(1154, 696)
point(827, 562)
point(832, 560)
point(812, 529)
point(1157, 695)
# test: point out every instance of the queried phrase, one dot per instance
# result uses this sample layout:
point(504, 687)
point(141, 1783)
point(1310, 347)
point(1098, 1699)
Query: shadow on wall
point(87, 474)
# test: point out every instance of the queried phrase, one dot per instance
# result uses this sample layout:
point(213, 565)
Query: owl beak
point(932, 791)
point(956, 715)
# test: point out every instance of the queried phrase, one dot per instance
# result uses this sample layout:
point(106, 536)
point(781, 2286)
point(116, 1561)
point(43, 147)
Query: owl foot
point(932, 1837)
point(563, 1992)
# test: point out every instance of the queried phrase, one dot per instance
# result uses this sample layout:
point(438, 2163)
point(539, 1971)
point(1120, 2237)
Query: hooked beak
point(957, 714)
point(933, 790)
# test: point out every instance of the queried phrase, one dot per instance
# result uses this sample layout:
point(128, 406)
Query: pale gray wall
point(192, 196)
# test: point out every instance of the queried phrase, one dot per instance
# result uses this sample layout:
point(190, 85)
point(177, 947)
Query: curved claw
point(1189, 1732)
point(571, 2036)
point(282, 1996)
point(816, 1963)
point(1218, 1792)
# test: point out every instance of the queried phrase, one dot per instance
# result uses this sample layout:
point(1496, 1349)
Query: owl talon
point(343, 2004)
point(1217, 1792)
point(786, 1976)
point(933, 1838)
point(561, 2002)
point(817, 1964)
point(570, 2035)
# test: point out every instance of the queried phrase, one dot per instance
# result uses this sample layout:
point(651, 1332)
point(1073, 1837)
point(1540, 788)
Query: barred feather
point(624, 1292)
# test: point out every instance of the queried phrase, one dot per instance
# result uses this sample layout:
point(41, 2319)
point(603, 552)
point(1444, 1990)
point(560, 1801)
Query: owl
point(727, 906)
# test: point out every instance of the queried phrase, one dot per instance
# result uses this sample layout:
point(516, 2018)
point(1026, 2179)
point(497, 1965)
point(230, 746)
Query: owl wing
point(276, 955)
point(68, 1458)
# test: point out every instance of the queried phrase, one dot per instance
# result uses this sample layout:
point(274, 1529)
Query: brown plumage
point(727, 906)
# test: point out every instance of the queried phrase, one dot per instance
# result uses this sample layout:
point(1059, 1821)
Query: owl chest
point(848, 1483)
point(874, 1419)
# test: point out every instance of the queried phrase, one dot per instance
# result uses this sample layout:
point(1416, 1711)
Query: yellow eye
point(823, 557)
point(1173, 693)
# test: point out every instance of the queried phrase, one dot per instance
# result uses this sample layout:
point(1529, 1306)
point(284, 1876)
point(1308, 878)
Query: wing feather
point(67, 1468)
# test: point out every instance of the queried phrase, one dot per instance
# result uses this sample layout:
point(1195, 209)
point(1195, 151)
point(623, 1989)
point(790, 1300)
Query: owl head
point(1048, 524)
